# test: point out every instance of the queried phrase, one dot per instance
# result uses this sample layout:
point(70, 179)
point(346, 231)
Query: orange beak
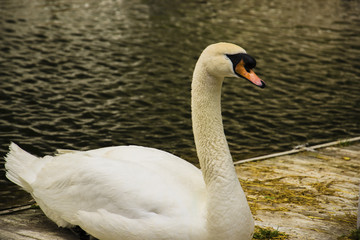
point(249, 75)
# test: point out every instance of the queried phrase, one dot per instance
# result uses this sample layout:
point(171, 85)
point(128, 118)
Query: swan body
point(133, 192)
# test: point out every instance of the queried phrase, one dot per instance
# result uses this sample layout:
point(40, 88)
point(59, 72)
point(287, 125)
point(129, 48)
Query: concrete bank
point(310, 194)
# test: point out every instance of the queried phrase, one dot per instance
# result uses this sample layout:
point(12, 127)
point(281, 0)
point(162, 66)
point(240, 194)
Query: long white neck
point(228, 213)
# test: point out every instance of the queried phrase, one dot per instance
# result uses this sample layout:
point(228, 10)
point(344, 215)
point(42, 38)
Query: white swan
point(132, 192)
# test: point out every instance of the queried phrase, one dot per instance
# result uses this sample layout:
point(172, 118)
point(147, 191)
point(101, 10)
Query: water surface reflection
point(88, 74)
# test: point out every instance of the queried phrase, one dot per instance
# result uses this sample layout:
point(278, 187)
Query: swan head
point(229, 60)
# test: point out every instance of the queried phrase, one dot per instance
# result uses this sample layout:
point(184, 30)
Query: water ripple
point(87, 75)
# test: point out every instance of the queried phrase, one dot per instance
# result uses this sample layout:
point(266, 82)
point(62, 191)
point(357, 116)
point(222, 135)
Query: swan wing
point(129, 182)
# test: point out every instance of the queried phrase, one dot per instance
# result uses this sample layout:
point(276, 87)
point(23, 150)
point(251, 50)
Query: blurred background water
point(87, 74)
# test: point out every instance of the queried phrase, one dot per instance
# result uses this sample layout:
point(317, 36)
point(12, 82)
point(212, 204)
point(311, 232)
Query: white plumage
point(132, 192)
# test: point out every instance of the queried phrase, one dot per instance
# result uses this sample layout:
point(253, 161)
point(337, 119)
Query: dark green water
point(88, 74)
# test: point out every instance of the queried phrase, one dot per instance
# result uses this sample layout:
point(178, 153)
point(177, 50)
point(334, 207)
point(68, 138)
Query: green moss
point(354, 235)
point(35, 206)
point(344, 143)
point(268, 233)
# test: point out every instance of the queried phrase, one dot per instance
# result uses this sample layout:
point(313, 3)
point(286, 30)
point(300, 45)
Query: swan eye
point(242, 67)
point(249, 62)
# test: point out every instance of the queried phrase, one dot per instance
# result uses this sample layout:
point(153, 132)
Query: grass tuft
point(354, 235)
point(268, 233)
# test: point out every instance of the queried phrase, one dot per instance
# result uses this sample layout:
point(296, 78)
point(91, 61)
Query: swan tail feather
point(21, 167)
